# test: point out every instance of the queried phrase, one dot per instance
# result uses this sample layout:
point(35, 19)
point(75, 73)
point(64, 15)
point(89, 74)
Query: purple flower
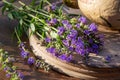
point(53, 7)
point(8, 75)
point(73, 41)
point(69, 58)
point(89, 49)
point(68, 26)
point(79, 43)
point(61, 30)
point(55, 54)
point(86, 32)
point(5, 69)
point(78, 25)
point(24, 54)
point(48, 22)
point(21, 49)
point(79, 39)
point(93, 27)
point(21, 76)
point(69, 37)
point(51, 50)
point(53, 21)
point(73, 33)
point(65, 42)
point(71, 48)
point(95, 46)
point(65, 22)
point(47, 40)
point(108, 58)
point(21, 45)
point(31, 61)
point(63, 57)
point(82, 19)
point(90, 41)
point(80, 51)
point(95, 51)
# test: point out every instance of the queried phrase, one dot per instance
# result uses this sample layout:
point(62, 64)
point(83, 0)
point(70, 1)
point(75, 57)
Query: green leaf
point(10, 16)
point(32, 26)
point(43, 34)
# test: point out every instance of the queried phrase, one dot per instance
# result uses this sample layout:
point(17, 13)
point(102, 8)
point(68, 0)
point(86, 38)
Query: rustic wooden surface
point(10, 44)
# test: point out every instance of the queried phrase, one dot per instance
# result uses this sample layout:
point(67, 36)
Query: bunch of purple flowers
point(63, 34)
point(74, 37)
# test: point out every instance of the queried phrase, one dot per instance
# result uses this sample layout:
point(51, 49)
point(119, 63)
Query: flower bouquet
point(56, 36)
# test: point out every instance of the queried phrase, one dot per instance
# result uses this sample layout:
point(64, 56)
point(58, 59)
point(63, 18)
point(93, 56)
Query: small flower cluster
point(7, 65)
point(52, 8)
point(31, 61)
point(61, 56)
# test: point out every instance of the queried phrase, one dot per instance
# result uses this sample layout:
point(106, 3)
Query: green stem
point(39, 35)
point(42, 22)
point(40, 13)
point(28, 8)
point(48, 2)
point(4, 1)
point(19, 40)
point(43, 11)
point(36, 32)
point(36, 18)
point(54, 28)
